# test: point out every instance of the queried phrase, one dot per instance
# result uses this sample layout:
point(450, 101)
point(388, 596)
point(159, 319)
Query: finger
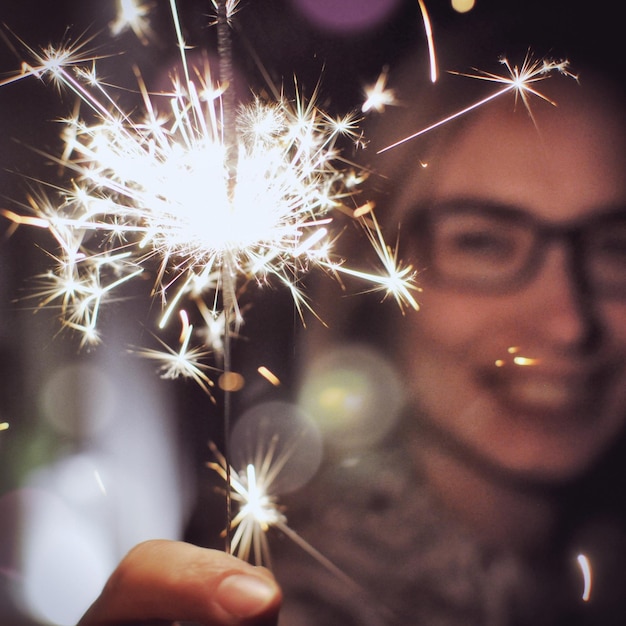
point(170, 580)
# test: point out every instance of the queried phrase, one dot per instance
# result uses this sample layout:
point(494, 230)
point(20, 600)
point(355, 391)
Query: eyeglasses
point(490, 248)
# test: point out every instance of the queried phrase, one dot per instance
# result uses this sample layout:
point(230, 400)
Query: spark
point(269, 375)
point(518, 359)
point(519, 80)
point(378, 96)
point(525, 361)
point(258, 508)
point(150, 192)
point(585, 568)
point(4, 426)
point(397, 280)
point(133, 15)
point(253, 489)
point(232, 7)
point(430, 41)
point(186, 362)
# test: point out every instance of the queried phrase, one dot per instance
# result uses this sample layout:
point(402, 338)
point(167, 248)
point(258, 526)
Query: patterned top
point(402, 560)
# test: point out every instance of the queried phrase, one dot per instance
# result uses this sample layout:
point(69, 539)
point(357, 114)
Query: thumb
point(170, 580)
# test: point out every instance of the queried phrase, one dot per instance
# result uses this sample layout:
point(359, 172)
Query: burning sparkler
point(154, 192)
point(278, 450)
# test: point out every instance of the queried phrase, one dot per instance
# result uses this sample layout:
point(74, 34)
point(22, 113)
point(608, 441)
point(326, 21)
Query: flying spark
point(585, 568)
point(519, 80)
point(133, 15)
point(398, 280)
point(430, 40)
point(378, 96)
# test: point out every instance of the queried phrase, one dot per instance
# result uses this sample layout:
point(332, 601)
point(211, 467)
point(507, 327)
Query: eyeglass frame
point(573, 234)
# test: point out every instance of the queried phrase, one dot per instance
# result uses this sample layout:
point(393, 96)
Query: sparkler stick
point(224, 51)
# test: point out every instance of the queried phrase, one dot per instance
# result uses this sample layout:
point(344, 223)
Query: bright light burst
point(133, 15)
point(258, 507)
point(153, 190)
point(253, 490)
point(399, 280)
point(378, 96)
point(232, 7)
point(186, 362)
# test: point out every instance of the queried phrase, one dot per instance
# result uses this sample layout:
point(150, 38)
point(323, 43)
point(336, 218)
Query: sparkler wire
point(224, 52)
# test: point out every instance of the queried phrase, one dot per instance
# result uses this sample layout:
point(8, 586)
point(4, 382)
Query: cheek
point(448, 321)
point(614, 323)
point(614, 320)
point(441, 345)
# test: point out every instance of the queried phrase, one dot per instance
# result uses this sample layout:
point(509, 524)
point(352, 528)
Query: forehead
point(561, 163)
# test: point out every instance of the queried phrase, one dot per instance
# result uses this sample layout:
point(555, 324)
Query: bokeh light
point(79, 396)
point(463, 6)
point(354, 395)
point(281, 434)
point(346, 16)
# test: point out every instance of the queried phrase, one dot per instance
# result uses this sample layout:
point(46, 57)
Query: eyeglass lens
point(500, 248)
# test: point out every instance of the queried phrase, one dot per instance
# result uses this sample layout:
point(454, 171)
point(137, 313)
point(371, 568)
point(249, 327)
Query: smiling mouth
point(549, 396)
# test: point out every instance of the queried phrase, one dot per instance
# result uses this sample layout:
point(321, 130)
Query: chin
point(547, 462)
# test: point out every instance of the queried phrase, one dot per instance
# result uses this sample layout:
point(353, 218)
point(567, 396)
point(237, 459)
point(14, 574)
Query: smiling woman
point(514, 368)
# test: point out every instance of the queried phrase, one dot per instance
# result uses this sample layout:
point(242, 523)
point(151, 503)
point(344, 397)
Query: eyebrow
point(467, 203)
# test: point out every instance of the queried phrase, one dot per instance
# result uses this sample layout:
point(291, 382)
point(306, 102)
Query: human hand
point(159, 582)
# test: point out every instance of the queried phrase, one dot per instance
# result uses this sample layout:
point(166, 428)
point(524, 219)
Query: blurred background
point(96, 452)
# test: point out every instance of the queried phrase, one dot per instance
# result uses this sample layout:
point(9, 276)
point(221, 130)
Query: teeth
point(542, 392)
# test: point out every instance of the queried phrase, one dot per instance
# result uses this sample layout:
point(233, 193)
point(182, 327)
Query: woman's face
point(531, 378)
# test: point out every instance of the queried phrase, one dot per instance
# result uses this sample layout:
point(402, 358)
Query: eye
point(611, 243)
point(471, 238)
point(484, 243)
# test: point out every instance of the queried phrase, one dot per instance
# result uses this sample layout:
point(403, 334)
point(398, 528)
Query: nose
point(566, 314)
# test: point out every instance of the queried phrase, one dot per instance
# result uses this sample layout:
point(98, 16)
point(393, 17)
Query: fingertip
point(248, 595)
